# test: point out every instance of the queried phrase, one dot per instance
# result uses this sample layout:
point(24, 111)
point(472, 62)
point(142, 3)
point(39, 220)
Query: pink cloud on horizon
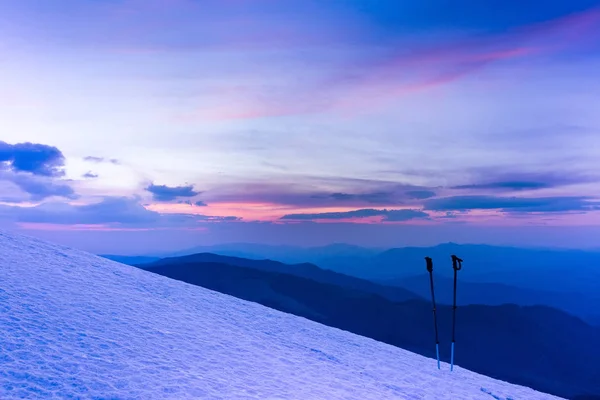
point(269, 213)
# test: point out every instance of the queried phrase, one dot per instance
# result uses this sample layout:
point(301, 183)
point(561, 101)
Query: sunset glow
point(257, 119)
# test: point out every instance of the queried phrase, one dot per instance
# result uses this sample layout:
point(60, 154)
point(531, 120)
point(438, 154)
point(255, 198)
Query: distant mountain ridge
point(284, 253)
point(565, 279)
point(483, 263)
point(304, 270)
point(130, 260)
point(517, 344)
point(497, 294)
point(560, 272)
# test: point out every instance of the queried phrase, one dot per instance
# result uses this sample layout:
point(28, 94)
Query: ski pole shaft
point(457, 266)
point(429, 262)
point(452, 357)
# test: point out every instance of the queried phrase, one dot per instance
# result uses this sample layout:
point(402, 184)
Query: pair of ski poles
point(457, 266)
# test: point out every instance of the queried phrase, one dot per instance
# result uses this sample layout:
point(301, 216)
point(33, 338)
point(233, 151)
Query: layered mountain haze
point(304, 270)
point(497, 294)
point(285, 253)
point(492, 275)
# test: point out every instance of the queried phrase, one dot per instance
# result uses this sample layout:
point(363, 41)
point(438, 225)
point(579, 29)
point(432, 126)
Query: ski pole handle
point(429, 262)
point(456, 263)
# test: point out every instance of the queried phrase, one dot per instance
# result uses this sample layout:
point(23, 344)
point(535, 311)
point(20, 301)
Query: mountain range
point(536, 346)
point(540, 269)
point(304, 270)
point(495, 294)
point(492, 275)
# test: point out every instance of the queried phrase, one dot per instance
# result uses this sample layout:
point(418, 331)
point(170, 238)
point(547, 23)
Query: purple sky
point(137, 125)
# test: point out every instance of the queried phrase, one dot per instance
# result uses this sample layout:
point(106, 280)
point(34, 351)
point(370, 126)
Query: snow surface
point(74, 325)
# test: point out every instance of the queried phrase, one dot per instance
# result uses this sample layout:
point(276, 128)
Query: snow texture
point(74, 325)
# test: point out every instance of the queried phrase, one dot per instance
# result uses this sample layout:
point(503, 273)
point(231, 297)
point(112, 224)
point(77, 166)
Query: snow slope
point(74, 325)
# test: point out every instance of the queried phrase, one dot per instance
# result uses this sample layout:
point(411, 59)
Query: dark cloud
point(525, 181)
point(364, 213)
point(224, 219)
point(397, 194)
point(420, 194)
point(388, 215)
point(515, 185)
point(99, 160)
point(356, 193)
point(90, 175)
point(510, 185)
point(198, 203)
point(170, 193)
point(404, 215)
point(513, 204)
point(32, 167)
point(40, 188)
point(449, 215)
point(375, 197)
point(93, 159)
point(351, 192)
point(37, 159)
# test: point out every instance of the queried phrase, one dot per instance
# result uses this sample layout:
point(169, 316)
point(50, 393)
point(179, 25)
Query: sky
point(135, 125)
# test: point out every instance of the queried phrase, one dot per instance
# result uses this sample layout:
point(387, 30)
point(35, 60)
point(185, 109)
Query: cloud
point(526, 181)
point(99, 160)
point(512, 185)
point(513, 204)
point(169, 193)
point(39, 187)
point(449, 215)
point(111, 211)
point(374, 197)
point(37, 159)
point(420, 194)
point(364, 213)
point(404, 215)
point(351, 193)
point(32, 168)
point(10, 193)
point(223, 219)
point(90, 175)
point(388, 215)
point(198, 203)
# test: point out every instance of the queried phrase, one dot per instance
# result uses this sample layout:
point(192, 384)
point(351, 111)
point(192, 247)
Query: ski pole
point(457, 266)
point(437, 341)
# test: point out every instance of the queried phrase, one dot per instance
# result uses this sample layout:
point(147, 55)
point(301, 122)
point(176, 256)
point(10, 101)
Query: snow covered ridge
point(74, 325)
